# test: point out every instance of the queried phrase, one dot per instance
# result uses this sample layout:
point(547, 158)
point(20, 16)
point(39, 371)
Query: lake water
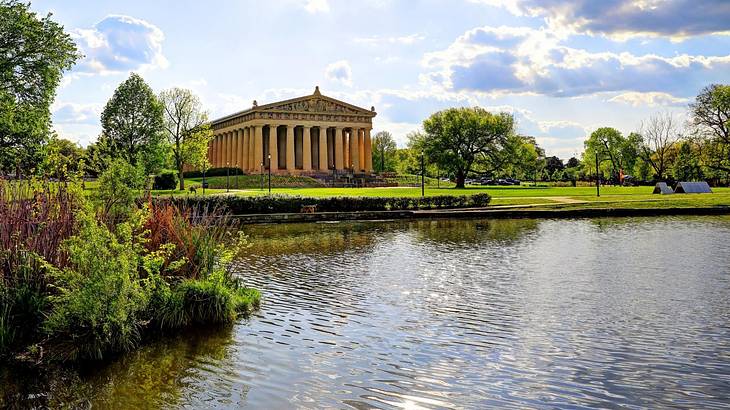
point(628, 312)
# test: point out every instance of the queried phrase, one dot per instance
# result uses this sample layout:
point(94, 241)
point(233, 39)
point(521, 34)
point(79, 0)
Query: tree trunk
point(182, 180)
point(460, 177)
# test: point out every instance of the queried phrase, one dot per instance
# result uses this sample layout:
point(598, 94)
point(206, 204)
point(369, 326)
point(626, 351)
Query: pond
point(630, 312)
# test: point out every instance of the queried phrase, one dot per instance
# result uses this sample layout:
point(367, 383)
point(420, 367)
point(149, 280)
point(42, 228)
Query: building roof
point(316, 102)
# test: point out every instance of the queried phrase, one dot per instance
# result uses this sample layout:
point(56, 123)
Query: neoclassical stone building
point(306, 135)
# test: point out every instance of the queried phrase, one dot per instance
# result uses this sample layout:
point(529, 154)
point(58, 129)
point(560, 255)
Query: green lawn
point(525, 195)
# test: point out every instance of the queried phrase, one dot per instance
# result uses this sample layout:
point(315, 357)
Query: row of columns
point(245, 148)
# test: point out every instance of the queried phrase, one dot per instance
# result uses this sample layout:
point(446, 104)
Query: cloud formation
point(509, 60)
point(120, 44)
point(72, 113)
point(627, 18)
point(339, 71)
point(317, 6)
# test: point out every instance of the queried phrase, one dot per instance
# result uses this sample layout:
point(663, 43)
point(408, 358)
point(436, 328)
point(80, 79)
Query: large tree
point(456, 138)
point(34, 53)
point(62, 158)
point(611, 148)
point(384, 148)
point(186, 128)
point(132, 124)
point(710, 115)
point(656, 141)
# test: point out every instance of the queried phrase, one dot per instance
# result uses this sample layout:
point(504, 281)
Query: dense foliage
point(78, 284)
point(293, 204)
point(34, 53)
point(457, 138)
point(132, 125)
point(165, 180)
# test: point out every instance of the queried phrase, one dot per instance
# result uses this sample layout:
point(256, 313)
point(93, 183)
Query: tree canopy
point(456, 138)
point(710, 115)
point(132, 124)
point(384, 148)
point(185, 128)
point(34, 53)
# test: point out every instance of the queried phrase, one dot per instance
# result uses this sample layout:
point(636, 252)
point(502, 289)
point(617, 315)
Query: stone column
point(244, 149)
point(339, 149)
point(290, 166)
point(368, 151)
point(361, 147)
point(229, 154)
point(273, 148)
point(211, 152)
point(218, 150)
point(354, 151)
point(307, 149)
point(258, 148)
point(235, 147)
point(251, 145)
point(323, 148)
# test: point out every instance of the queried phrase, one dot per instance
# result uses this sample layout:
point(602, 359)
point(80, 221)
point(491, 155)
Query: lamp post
point(236, 175)
point(204, 169)
point(228, 172)
point(423, 175)
point(269, 174)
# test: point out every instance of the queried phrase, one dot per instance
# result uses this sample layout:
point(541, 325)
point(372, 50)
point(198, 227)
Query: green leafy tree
point(456, 138)
point(119, 185)
point(62, 158)
point(710, 116)
point(34, 53)
point(614, 151)
point(185, 126)
point(132, 124)
point(554, 166)
point(686, 166)
point(384, 148)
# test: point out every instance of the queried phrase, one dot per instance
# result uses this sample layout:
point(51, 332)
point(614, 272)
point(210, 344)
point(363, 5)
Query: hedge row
point(213, 172)
point(293, 204)
point(254, 181)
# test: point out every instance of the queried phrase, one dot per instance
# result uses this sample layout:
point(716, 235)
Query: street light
point(423, 175)
point(228, 172)
point(269, 174)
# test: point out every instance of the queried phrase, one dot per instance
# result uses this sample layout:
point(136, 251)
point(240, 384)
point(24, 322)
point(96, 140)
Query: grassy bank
point(82, 279)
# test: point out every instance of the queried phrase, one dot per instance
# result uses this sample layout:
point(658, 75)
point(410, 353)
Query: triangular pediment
point(315, 104)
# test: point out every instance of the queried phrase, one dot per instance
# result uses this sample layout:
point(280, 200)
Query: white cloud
point(650, 99)
point(621, 19)
point(518, 60)
point(72, 113)
point(317, 6)
point(339, 71)
point(120, 44)
point(401, 40)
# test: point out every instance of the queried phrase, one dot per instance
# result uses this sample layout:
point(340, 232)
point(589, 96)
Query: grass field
point(513, 196)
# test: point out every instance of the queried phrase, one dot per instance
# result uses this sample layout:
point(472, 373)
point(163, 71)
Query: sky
point(562, 67)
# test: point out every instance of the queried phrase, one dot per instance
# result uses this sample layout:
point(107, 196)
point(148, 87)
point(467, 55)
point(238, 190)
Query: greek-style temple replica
point(309, 135)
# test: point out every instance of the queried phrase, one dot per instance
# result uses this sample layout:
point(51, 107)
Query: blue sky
point(562, 67)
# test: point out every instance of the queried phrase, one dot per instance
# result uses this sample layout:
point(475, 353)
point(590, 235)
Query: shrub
point(165, 180)
point(119, 186)
point(293, 204)
point(99, 295)
point(213, 172)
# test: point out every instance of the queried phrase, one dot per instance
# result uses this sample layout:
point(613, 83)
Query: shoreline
point(478, 213)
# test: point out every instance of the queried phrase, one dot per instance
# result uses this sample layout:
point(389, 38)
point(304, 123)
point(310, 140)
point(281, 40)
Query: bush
point(119, 186)
point(213, 172)
point(165, 180)
point(293, 204)
point(76, 286)
point(100, 297)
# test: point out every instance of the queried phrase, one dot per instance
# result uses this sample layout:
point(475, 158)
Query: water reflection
point(449, 314)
